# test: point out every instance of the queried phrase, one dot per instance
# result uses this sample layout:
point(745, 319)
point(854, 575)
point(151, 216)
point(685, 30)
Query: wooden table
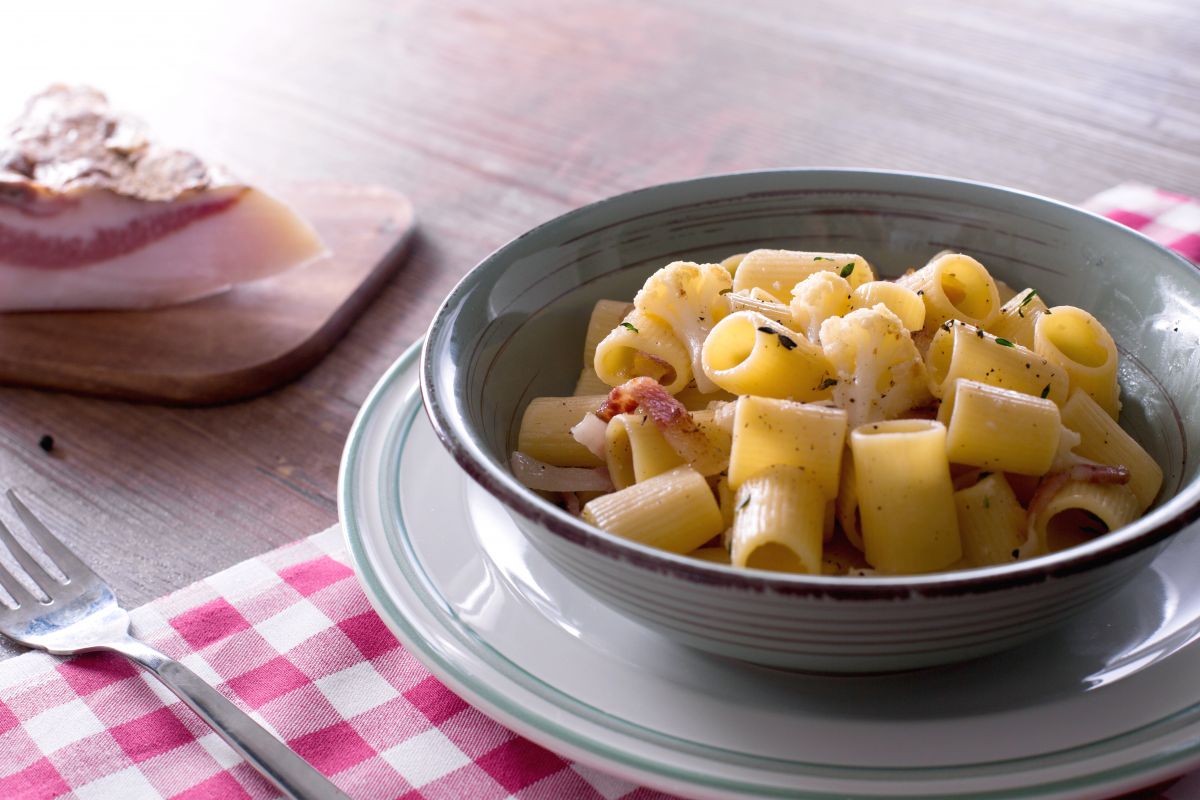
point(494, 117)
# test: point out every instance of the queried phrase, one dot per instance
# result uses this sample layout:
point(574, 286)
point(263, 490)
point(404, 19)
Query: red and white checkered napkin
point(290, 638)
point(1172, 220)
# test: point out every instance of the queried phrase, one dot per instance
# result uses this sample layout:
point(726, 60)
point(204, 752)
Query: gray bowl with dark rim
point(513, 330)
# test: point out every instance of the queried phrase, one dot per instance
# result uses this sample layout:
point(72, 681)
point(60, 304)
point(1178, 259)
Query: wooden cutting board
point(230, 346)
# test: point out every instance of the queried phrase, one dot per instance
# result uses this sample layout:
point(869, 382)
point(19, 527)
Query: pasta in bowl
point(505, 347)
point(864, 426)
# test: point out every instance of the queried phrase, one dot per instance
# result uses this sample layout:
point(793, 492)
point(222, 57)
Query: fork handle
point(291, 774)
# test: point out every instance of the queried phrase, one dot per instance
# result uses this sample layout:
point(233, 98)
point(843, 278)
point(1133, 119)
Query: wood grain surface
point(494, 117)
point(235, 344)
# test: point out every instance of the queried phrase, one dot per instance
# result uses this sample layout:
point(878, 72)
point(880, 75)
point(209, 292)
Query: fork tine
point(32, 568)
point(16, 589)
point(62, 556)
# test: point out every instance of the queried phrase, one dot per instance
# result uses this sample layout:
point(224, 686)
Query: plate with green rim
point(1107, 705)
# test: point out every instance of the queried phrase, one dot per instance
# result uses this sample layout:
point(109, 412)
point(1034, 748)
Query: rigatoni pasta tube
point(674, 511)
point(1076, 341)
point(905, 496)
point(903, 302)
point(1080, 512)
point(998, 429)
point(769, 432)
point(606, 315)
point(779, 523)
point(991, 523)
point(636, 450)
point(747, 353)
point(846, 503)
point(1017, 316)
point(1104, 441)
point(960, 351)
point(777, 271)
point(643, 345)
point(545, 432)
point(954, 286)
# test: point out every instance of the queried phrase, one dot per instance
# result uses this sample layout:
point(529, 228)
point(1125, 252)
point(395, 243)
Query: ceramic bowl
point(513, 330)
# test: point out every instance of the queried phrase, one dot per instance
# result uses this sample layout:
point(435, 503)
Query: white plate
point(1088, 711)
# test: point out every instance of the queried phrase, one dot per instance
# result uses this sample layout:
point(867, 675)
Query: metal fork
point(82, 615)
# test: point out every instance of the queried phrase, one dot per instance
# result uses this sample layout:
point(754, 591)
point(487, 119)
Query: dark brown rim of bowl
point(1156, 526)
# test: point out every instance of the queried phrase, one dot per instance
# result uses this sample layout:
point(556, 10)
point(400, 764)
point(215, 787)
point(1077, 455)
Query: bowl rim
point(1152, 528)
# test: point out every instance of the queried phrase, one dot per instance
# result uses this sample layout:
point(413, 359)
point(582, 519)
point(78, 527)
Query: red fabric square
point(369, 634)
point(311, 576)
point(263, 684)
point(466, 781)
point(8, 720)
point(39, 781)
point(1187, 246)
point(221, 786)
point(209, 623)
point(434, 700)
point(1130, 219)
point(151, 735)
point(519, 763)
point(332, 749)
point(91, 672)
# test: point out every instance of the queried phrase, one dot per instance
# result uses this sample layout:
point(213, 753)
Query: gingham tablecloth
point(291, 638)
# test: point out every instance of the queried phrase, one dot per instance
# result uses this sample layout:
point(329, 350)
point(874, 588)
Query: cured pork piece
point(93, 215)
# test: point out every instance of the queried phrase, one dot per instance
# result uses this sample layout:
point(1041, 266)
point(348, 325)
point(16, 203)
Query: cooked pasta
point(999, 429)
point(906, 497)
point(1077, 343)
point(780, 521)
point(991, 522)
point(955, 286)
point(961, 351)
point(788, 411)
point(674, 511)
point(1017, 317)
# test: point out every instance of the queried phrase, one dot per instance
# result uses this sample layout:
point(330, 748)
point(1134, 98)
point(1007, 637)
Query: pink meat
point(670, 416)
point(95, 215)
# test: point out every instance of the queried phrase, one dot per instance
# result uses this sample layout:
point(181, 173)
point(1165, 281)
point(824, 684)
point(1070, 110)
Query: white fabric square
point(221, 752)
point(31, 669)
point(292, 626)
point(128, 784)
point(330, 542)
point(149, 623)
point(1184, 218)
point(356, 689)
point(607, 785)
point(160, 691)
point(243, 580)
point(425, 757)
point(51, 731)
point(196, 663)
point(1134, 197)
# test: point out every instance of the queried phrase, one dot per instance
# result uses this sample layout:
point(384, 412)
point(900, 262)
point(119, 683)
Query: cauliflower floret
point(690, 298)
point(817, 298)
point(879, 372)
